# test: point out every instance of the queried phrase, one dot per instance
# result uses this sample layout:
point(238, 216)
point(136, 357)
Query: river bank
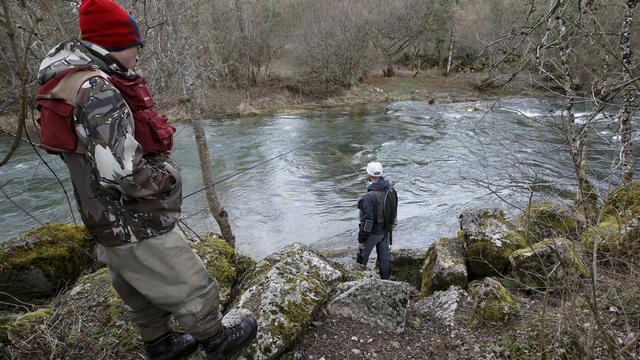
point(529, 287)
point(281, 96)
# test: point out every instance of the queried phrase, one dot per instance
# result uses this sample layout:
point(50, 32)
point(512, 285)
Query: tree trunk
point(451, 35)
point(218, 212)
point(630, 95)
point(21, 70)
point(585, 204)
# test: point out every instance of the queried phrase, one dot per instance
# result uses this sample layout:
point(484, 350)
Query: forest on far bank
point(319, 46)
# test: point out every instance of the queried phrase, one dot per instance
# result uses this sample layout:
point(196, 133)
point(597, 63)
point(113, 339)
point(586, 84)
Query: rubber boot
point(173, 345)
point(230, 340)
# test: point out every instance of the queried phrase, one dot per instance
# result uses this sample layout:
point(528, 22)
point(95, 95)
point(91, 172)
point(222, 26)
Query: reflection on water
point(443, 158)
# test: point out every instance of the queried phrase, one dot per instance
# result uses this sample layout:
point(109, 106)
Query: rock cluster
point(482, 274)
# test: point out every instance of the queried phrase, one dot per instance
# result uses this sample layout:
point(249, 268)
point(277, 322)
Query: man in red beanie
point(97, 113)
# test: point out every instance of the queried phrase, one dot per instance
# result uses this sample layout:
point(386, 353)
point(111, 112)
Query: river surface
point(443, 158)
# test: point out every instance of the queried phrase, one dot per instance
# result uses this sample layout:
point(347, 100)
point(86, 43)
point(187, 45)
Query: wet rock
point(442, 305)
point(619, 230)
point(492, 302)
point(490, 239)
point(549, 264)
point(547, 220)
point(284, 291)
point(444, 266)
point(40, 262)
point(374, 301)
point(406, 264)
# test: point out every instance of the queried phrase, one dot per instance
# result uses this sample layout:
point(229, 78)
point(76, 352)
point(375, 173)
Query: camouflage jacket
point(123, 195)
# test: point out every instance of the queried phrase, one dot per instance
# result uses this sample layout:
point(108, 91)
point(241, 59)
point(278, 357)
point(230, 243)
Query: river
point(443, 158)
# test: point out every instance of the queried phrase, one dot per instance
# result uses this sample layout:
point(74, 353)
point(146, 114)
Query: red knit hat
point(106, 24)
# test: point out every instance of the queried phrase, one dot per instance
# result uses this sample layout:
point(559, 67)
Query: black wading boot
point(230, 340)
point(173, 345)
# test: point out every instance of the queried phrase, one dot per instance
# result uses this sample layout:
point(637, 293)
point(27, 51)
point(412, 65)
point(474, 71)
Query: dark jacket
point(124, 196)
point(370, 209)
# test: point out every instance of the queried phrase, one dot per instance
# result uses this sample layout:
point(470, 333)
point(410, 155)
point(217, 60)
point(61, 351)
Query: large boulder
point(406, 264)
point(549, 264)
point(490, 239)
point(619, 229)
point(374, 301)
point(546, 220)
point(444, 266)
point(37, 264)
point(284, 291)
point(443, 306)
point(492, 302)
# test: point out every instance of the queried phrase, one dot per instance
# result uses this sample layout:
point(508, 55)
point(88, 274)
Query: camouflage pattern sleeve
point(105, 128)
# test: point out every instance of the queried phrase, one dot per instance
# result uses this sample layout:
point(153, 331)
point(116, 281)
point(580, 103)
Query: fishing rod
point(249, 168)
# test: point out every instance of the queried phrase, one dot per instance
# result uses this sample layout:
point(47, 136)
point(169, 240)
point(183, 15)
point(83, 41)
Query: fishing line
point(249, 168)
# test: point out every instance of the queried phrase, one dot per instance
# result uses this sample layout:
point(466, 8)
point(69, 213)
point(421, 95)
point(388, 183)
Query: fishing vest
point(56, 102)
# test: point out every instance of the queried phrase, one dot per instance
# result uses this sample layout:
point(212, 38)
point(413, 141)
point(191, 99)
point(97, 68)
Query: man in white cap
point(377, 217)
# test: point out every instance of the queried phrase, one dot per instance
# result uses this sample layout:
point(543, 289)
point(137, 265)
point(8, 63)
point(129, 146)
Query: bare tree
point(630, 93)
point(20, 59)
point(180, 42)
point(452, 34)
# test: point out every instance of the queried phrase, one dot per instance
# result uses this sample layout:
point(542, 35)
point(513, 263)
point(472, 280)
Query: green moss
point(546, 220)
point(61, 251)
point(547, 264)
point(219, 258)
point(623, 202)
point(446, 254)
point(26, 323)
point(493, 304)
point(486, 258)
point(613, 234)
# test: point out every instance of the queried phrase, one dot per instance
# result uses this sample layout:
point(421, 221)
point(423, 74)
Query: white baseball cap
point(374, 168)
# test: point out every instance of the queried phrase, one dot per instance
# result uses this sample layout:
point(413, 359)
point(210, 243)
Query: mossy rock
point(5, 319)
point(42, 261)
point(444, 266)
point(220, 260)
point(619, 229)
point(492, 302)
point(284, 291)
point(89, 321)
point(550, 264)
point(623, 202)
point(25, 324)
point(613, 235)
point(490, 238)
point(405, 266)
point(546, 220)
